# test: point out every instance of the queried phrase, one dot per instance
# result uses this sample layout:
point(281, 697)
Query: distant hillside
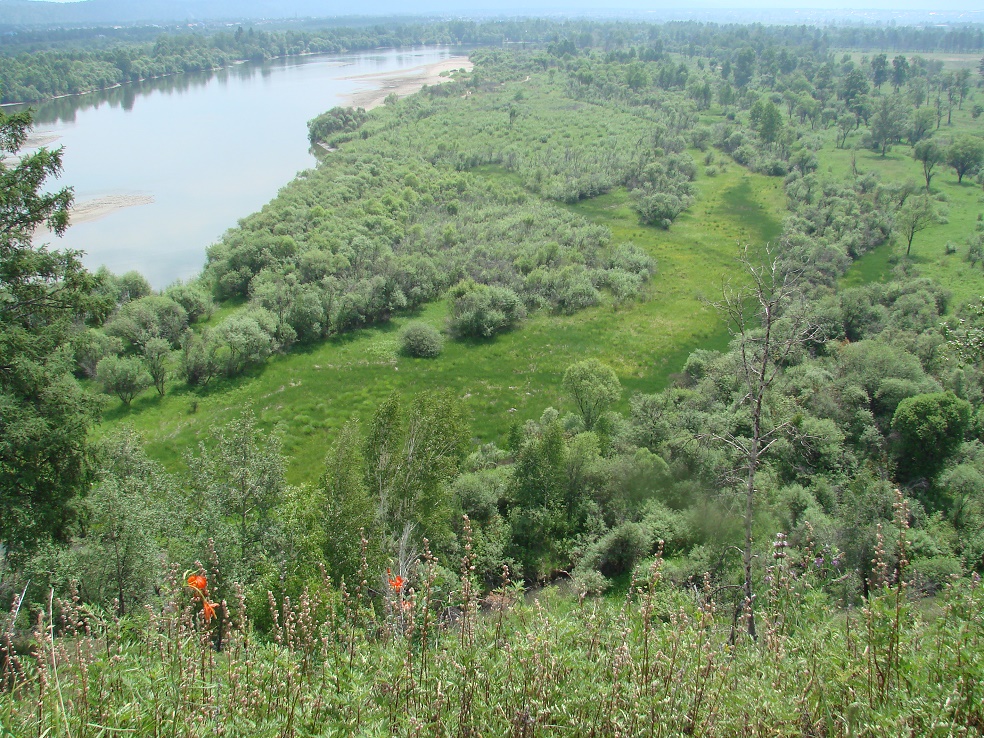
point(88, 12)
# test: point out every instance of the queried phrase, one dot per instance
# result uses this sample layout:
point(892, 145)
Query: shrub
point(123, 376)
point(481, 311)
point(421, 341)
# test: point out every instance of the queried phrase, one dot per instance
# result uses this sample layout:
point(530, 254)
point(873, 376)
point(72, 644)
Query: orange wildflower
point(395, 582)
point(197, 582)
point(198, 585)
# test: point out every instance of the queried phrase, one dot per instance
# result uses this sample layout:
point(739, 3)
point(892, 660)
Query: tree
point(157, 358)
point(344, 505)
point(411, 453)
point(889, 122)
point(918, 214)
point(770, 125)
point(235, 490)
point(768, 322)
point(44, 297)
point(930, 153)
point(920, 124)
point(845, 124)
point(853, 88)
point(900, 71)
point(879, 70)
point(123, 376)
point(118, 559)
point(593, 386)
point(965, 154)
point(930, 429)
point(744, 67)
point(536, 492)
point(201, 356)
point(247, 338)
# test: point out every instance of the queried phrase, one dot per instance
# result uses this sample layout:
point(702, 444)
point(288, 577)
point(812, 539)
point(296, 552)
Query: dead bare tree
point(768, 322)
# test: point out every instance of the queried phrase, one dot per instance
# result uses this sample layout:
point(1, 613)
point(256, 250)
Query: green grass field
point(964, 204)
point(311, 392)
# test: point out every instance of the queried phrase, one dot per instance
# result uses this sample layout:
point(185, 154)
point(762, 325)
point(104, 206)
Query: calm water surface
point(209, 149)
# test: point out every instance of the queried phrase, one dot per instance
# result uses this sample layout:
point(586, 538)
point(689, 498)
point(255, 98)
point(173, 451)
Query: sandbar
point(403, 83)
point(87, 211)
point(37, 139)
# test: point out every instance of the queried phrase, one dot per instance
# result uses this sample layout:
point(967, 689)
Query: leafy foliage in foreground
point(44, 414)
point(411, 653)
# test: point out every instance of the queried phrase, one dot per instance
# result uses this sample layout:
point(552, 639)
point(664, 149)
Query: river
point(161, 169)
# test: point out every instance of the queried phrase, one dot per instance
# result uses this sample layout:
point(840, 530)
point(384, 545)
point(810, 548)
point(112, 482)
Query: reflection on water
point(65, 109)
point(204, 149)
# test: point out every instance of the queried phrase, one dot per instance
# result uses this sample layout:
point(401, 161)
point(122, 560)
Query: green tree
point(44, 297)
point(889, 122)
point(965, 154)
point(636, 76)
point(343, 506)
point(123, 376)
point(920, 125)
point(900, 71)
point(236, 488)
point(845, 124)
point(157, 359)
point(744, 67)
point(770, 125)
point(247, 338)
point(879, 70)
point(853, 88)
point(118, 558)
point(536, 491)
point(201, 356)
point(918, 214)
point(593, 386)
point(411, 454)
point(930, 429)
point(929, 153)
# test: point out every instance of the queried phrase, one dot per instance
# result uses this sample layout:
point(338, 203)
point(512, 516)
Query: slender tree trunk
point(747, 553)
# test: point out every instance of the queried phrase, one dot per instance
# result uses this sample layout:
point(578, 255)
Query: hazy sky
point(656, 5)
point(974, 8)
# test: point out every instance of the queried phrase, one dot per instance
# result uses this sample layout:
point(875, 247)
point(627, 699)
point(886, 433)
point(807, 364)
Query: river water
point(191, 154)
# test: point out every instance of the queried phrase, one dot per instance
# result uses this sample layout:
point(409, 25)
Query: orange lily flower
point(197, 582)
point(395, 582)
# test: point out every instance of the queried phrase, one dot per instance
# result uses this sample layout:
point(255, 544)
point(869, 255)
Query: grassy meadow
point(311, 392)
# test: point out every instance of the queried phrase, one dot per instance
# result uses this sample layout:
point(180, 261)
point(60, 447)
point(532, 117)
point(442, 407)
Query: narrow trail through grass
point(311, 392)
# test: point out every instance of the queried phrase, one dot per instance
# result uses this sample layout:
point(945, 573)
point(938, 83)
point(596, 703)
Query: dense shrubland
point(395, 217)
point(805, 503)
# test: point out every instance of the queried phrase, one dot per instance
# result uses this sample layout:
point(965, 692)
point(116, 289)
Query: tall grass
point(424, 656)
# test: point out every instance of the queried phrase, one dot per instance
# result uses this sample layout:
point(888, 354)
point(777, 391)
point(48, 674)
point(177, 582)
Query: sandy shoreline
point(87, 211)
point(403, 83)
point(37, 139)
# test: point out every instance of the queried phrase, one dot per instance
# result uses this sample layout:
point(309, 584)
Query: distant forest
point(40, 64)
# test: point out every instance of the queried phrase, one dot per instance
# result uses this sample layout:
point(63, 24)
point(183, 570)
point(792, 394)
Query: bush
point(421, 341)
point(618, 551)
point(123, 376)
point(481, 311)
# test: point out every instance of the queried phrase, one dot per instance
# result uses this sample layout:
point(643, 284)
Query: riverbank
point(405, 82)
point(87, 211)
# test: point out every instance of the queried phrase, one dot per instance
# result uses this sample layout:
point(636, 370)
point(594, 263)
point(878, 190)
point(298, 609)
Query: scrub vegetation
point(630, 382)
